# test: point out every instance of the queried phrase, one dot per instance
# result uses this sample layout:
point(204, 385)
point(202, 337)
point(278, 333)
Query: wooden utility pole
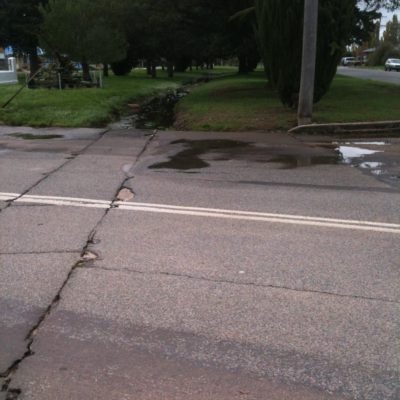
point(306, 96)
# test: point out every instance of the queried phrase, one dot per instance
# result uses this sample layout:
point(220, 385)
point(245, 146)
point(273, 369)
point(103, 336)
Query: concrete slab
point(53, 146)
point(46, 228)
point(19, 170)
point(69, 133)
point(120, 143)
point(337, 261)
point(99, 172)
point(258, 157)
point(132, 371)
point(265, 196)
point(344, 346)
point(102, 185)
point(28, 284)
point(183, 307)
point(241, 181)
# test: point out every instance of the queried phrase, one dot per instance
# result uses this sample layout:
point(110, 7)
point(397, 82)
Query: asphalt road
point(372, 74)
point(198, 266)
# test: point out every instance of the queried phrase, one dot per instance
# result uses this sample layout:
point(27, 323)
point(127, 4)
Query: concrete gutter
point(386, 128)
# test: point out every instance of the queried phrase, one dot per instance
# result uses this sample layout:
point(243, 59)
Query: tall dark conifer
point(280, 24)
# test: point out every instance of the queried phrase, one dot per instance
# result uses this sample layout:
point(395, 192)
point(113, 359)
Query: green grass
point(240, 103)
point(230, 103)
point(358, 100)
point(233, 104)
point(87, 107)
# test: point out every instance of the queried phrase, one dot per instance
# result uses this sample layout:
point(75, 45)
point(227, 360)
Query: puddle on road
point(4, 151)
point(30, 136)
point(291, 161)
point(198, 154)
point(189, 158)
point(375, 168)
point(371, 160)
point(380, 143)
point(350, 152)
point(226, 150)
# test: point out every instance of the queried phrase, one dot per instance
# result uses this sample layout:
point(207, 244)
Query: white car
point(392, 64)
point(348, 61)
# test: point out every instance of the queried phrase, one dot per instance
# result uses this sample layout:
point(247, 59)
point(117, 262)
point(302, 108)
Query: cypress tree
point(280, 28)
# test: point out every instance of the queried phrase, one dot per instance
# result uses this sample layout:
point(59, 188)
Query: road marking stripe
point(263, 219)
point(8, 196)
point(71, 199)
point(206, 212)
point(260, 214)
point(54, 202)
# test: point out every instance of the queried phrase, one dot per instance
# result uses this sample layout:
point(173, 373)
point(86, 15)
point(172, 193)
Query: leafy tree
point(365, 23)
point(392, 33)
point(389, 47)
point(377, 4)
point(20, 22)
point(85, 32)
point(184, 32)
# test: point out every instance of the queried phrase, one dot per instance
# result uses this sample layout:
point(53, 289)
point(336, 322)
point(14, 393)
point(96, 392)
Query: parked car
point(392, 64)
point(346, 61)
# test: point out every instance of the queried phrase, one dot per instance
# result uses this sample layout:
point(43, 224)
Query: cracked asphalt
point(169, 302)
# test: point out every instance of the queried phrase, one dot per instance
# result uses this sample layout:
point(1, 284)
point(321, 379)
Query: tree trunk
point(243, 67)
point(148, 67)
point(154, 71)
point(34, 61)
point(105, 70)
point(86, 70)
point(170, 68)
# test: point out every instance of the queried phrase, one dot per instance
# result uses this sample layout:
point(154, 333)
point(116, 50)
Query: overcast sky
point(386, 17)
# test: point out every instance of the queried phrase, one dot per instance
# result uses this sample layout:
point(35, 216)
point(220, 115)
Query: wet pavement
point(188, 265)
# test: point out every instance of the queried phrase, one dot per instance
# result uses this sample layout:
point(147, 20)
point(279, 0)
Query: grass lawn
point(86, 107)
point(359, 100)
point(246, 103)
point(230, 103)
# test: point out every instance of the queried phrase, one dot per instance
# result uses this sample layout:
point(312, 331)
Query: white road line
point(207, 212)
point(69, 199)
point(53, 202)
point(262, 219)
point(259, 214)
point(8, 196)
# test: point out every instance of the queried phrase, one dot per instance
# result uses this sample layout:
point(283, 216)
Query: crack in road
point(13, 393)
point(228, 281)
point(48, 174)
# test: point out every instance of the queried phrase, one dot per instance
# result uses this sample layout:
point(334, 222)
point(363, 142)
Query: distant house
point(367, 53)
point(3, 61)
point(8, 68)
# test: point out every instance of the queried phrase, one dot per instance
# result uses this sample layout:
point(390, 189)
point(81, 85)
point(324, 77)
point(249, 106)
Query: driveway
point(184, 265)
point(372, 74)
